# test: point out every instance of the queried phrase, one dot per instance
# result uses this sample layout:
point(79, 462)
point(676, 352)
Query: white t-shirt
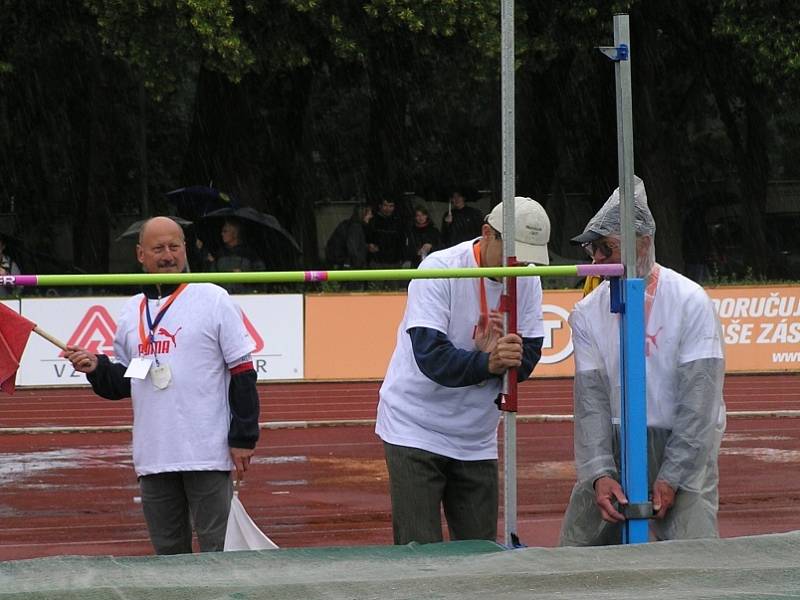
point(185, 426)
point(682, 327)
point(416, 412)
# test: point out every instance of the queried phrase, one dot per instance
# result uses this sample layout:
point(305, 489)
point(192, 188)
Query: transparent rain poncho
point(685, 456)
point(683, 452)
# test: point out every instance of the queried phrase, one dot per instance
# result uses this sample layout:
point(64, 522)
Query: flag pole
point(50, 338)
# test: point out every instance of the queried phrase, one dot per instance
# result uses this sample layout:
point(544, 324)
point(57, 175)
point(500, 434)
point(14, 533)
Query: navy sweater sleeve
point(449, 366)
point(108, 379)
point(243, 399)
point(531, 353)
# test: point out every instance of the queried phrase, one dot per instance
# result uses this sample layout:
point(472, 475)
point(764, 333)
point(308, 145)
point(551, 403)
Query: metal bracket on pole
point(642, 510)
point(617, 302)
point(616, 53)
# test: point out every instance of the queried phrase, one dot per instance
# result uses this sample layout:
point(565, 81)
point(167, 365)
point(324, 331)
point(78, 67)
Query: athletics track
point(319, 478)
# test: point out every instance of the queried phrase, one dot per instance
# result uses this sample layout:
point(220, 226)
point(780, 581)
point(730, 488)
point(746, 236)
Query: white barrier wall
point(275, 322)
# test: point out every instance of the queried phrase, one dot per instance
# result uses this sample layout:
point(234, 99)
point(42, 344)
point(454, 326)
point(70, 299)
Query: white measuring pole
point(508, 192)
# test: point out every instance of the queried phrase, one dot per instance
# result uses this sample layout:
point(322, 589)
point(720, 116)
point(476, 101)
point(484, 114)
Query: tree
point(62, 104)
point(107, 104)
point(260, 64)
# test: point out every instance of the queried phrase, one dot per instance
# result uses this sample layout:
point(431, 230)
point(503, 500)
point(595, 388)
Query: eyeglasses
point(605, 248)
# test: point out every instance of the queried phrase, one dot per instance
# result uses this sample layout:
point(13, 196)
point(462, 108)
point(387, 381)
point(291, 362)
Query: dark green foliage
point(107, 104)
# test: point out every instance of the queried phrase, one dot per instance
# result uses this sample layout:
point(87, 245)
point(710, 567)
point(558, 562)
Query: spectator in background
point(387, 239)
point(7, 267)
point(423, 236)
point(347, 246)
point(234, 256)
point(461, 222)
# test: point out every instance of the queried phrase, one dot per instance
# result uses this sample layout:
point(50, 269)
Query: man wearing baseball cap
point(606, 222)
point(437, 416)
point(685, 411)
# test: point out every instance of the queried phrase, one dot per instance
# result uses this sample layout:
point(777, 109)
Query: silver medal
point(161, 376)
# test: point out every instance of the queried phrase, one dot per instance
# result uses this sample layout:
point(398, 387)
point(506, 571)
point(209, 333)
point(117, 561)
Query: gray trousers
point(422, 483)
point(173, 502)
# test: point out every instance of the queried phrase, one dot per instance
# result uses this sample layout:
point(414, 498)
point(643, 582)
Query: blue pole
point(633, 417)
point(633, 403)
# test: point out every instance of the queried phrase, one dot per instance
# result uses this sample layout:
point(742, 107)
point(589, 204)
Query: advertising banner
point(557, 351)
point(274, 322)
point(354, 336)
point(276, 325)
point(351, 336)
point(761, 327)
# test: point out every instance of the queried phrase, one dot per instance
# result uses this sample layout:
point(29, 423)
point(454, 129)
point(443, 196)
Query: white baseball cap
point(531, 229)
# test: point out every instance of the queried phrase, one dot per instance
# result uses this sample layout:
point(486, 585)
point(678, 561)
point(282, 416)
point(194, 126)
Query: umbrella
point(262, 232)
point(197, 200)
point(133, 230)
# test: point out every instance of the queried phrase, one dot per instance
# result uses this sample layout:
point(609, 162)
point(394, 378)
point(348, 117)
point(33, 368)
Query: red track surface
point(73, 493)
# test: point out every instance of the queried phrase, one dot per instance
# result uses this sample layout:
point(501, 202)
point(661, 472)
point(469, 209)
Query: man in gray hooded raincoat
point(685, 410)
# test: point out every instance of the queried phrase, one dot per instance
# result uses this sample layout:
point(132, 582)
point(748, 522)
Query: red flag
point(14, 333)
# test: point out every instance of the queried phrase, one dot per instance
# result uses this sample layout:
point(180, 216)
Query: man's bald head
point(162, 246)
point(158, 224)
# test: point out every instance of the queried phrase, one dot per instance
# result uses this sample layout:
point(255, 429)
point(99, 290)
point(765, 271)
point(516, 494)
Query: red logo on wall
point(253, 334)
point(95, 332)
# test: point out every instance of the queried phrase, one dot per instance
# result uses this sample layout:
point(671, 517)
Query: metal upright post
point(508, 396)
point(633, 418)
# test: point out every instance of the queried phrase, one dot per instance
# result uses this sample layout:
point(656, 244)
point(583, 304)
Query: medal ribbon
point(484, 318)
point(144, 309)
point(650, 293)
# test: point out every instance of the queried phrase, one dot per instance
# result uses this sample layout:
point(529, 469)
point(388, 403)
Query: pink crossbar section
point(601, 270)
point(316, 276)
point(19, 280)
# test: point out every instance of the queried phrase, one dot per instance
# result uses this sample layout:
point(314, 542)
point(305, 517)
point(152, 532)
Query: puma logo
point(172, 336)
point(649, 339)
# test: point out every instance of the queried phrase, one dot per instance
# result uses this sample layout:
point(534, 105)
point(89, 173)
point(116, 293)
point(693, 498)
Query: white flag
point(242, 533)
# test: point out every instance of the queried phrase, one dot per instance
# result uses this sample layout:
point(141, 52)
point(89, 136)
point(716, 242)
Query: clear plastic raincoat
point(685, 410)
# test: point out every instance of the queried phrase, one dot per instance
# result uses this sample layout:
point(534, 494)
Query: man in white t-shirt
point(685, 410)
point(182, 353)
point(437, 414)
